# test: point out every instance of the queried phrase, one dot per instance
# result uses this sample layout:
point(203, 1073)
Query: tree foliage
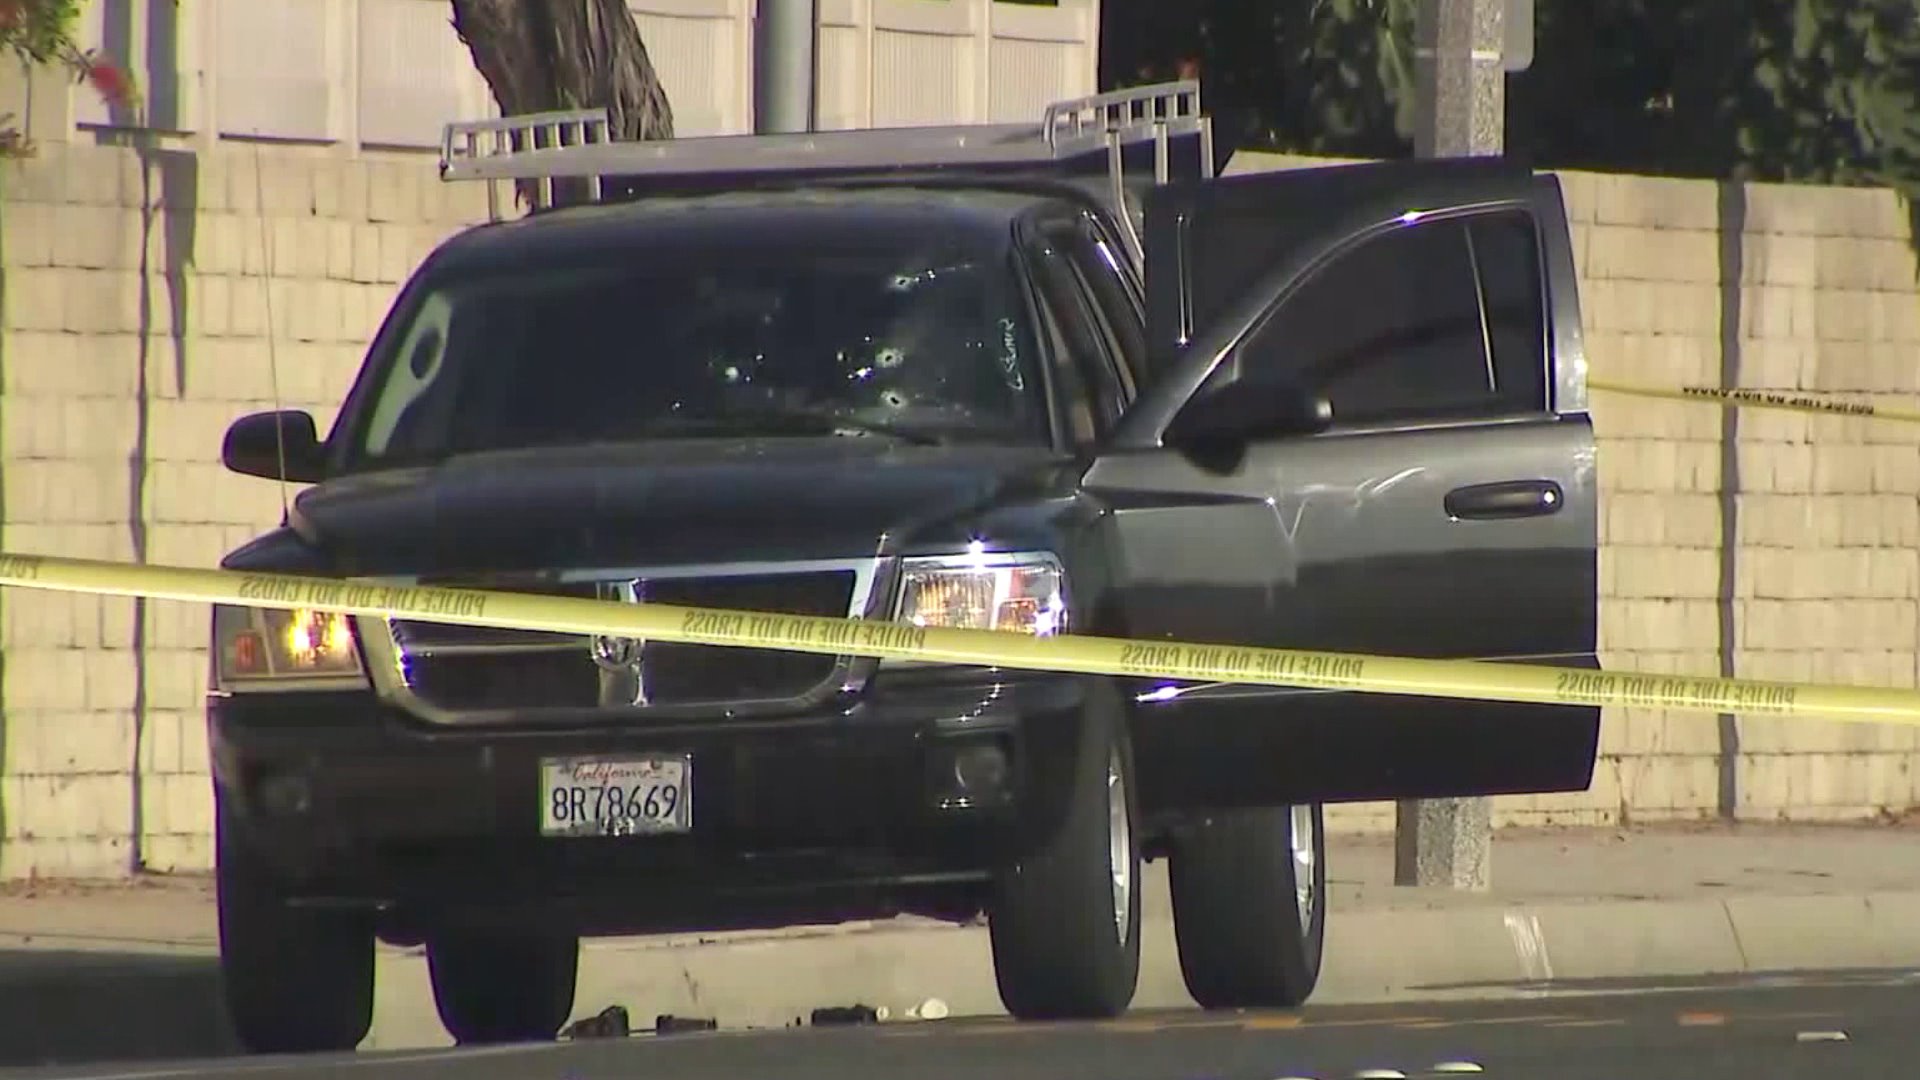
point(1312, 76)
point(1789, 90)
point(41, 33)
point(1799, 90)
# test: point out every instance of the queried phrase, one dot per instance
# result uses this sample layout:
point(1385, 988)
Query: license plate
point(616, 796)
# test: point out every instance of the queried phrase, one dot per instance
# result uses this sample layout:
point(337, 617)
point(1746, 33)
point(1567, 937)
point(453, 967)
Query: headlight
point(272, 648)
point(1017, 592)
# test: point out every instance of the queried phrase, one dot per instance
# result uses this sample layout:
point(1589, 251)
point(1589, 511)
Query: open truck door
point(1366, 432)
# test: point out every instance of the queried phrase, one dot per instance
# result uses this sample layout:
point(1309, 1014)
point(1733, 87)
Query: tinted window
point(1086, 411)
point(921, 337)
point(1506, 249)
point(1099, 266)
point(1392, 329)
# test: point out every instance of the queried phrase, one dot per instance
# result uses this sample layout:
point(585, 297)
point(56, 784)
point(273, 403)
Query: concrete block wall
point(1828, 511)
point(138, 315)
point(1780, 288)
point(150, 300)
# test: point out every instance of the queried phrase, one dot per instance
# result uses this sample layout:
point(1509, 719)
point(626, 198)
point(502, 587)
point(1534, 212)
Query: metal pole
point(1461, 78)
point(1462, 111)
point(783, 83)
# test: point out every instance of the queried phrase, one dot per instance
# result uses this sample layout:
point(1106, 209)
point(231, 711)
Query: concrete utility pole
point(1462, 111)
point(1459, 50)
point(783, 66)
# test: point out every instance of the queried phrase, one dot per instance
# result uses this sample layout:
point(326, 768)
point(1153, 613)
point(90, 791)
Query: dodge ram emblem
point(621, 660)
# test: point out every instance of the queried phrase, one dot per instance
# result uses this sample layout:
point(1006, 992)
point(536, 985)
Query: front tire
point(1065, 921)
point(1249, 907)
point(295, 980)
point(494, 987)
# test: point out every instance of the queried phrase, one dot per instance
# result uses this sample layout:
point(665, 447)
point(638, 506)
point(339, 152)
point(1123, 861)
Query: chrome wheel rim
point(1119, 847)
point(1301, 840)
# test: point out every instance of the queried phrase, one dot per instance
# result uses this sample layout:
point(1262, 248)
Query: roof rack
point(539, 148)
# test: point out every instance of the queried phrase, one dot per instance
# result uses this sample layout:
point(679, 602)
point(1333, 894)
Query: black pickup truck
point(1043, 379)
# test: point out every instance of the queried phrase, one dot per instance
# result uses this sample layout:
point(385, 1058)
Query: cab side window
point(1506, 251)
point(1091, 393)
point(1432, 321)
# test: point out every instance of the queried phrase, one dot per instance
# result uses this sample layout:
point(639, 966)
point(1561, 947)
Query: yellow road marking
point(996, 1027)
point(1132, 1025)
point(1275, 1022)
point(1373, 1021)
point(1487, 1021)
point(1171, 1024)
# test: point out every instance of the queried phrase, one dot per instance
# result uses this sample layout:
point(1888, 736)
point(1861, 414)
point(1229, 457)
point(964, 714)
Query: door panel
point(1356, 552)
point(1450, 513)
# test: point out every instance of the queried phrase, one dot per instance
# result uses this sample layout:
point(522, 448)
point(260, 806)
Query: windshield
point(920, 340)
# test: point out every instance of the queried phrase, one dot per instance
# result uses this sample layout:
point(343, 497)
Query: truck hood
point(691, 501)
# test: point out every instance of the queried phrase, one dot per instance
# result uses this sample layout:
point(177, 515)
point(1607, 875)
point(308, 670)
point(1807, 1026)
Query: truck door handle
point(1508, 499)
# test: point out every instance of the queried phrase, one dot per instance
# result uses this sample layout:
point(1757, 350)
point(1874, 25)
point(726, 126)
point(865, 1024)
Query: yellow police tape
point(1759, 399)
point(1172, 660)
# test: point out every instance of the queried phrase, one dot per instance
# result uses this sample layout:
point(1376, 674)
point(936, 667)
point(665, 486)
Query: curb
point(1464, 950)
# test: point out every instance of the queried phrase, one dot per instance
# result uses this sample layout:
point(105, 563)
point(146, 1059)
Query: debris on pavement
point(930, 1009)
point(668, 1024)
point(833, 1016)
point(610, 1023)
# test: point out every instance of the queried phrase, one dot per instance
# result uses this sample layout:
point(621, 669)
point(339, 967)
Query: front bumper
point(349, 799)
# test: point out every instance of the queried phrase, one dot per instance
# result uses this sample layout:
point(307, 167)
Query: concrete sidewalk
point(1569, 909)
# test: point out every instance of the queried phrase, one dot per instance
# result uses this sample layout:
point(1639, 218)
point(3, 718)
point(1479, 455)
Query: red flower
point(110, 82)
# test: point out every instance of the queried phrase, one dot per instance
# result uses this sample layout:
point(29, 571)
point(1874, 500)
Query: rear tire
point(1065, 921)
point(1249, 907)
point(296, 981)
point(492, 987)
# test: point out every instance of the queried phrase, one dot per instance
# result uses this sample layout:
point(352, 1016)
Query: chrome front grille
point(463, 673)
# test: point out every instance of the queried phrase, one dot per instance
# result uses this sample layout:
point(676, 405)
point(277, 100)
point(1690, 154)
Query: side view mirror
point(1249, 409)
point(260, 443)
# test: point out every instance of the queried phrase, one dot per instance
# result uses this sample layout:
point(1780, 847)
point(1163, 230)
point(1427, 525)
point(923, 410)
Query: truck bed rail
point(539, 148)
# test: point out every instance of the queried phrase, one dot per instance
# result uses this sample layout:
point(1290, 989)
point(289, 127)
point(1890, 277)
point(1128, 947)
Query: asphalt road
point(1844, 1026)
